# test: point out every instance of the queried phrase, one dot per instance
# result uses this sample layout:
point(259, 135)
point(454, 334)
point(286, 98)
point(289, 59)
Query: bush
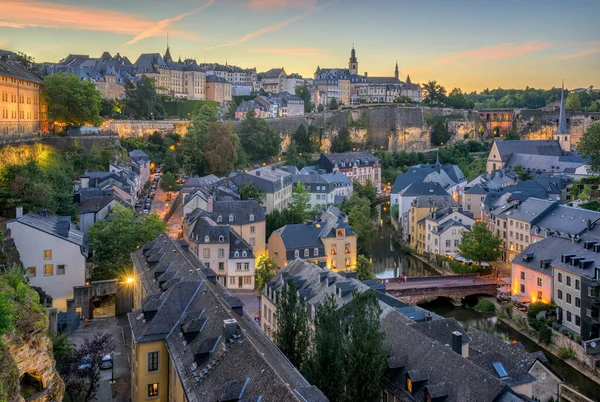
point(485, 305)
point(566, 353)
point(564, 331)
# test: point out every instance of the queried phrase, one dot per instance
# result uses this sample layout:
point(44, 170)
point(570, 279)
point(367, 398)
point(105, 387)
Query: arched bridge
point(454, 287)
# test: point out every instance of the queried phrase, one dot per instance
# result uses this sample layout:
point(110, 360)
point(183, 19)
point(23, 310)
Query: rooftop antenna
point(167, 39)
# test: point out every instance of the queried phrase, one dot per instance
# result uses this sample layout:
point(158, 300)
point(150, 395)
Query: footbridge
point(417, 290)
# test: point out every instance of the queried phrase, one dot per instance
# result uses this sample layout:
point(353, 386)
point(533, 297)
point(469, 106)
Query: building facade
point(275, 183)
point(359, 166)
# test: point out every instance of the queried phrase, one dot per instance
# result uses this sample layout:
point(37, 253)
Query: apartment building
point(420, 209)
point(321, 191)
point(218, 89)
point(276, 184)
point(359, 166)
point(444, 229)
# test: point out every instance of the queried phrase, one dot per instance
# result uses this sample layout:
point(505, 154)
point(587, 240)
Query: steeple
point(396, 74)
point(353, 64)
point(408, 79)
point(167, 57)
point(438, 165)
point(562, 134)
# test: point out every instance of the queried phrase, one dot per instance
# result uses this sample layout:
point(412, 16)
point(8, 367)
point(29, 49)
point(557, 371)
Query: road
point(440, 283)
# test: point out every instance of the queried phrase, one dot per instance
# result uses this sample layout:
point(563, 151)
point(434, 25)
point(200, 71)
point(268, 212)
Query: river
point(390, 262)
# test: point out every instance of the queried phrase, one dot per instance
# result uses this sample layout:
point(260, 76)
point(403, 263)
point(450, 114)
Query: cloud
point(295, 51)
point(281, 3)
point(582, 53)
point(161, 25)
point(34, 13)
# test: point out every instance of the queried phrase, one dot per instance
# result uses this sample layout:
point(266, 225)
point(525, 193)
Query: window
point(153, 361)
point(316, 252)
point(206, 239)
point(247, 280)
point(539, 281)
point(236, 254)
point(569, 318)
point(523, 275)
point(207, 264)
point(448, 243)
point(230, 218)
point(456, 242)
point(221, 239)
point(577, 302)
point(522, 288)
point(577, 320)
point(539, 295)
point(559, 294)
point(306, 252)
point(60, 270)
point(296, 253)
point(221, 266)
point(47, 254)
point(221, 252)
point(152, 390)
point(48, 269)
point(206, 252)
point(559, 277)
point(569, 298)
point(219, 219)
point(252, 230)
point(251, 218)
point(246, 266)
point(31, 271)
point(577, 284)
point(408, 384)
point(232, 280)
point(568, 280)
point(238, 266)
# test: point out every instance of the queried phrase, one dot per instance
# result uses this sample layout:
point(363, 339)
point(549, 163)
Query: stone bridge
point(454, 287)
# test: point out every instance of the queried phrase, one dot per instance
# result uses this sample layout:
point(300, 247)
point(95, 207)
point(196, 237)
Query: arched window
point(296, 253)
point(251, 218)
point(306, 252)
point(316, 252)
point(206, 239)
point(221, 238)
point(236, 254)
point(230, 218)
point(244, 253)
point(219, 219)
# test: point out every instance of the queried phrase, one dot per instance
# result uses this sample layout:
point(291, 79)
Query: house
point(565, 272)
point(276, 184)
point(246, 217)
point(121, 184)
point(140, 164)
point(94, 210)
point(421, 207)
point(192, 341)
point(192, 184)
point(342, 185)
point(359, 166)
point(259, 110)
point(406, 196)
point(329, 241)
point(223, 250)
point(53, 253)
point(445, 228)
point(320, 191)
point(218, 89)
point(273, 80)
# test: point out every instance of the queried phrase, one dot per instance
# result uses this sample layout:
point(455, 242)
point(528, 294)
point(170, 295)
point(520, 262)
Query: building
point(246, 217)
point(359, 166)
point(219, 247)
point(140, 164)
point(329, 241)
point(445, 228)
point(320, 191)
point(273, 81)
point(276, 184)
point(422, 207)
point(21, 110)
point(567, 273)
point(218, 89)
point(53, 252)
point(94, 210)
point(259, 110)
point(237, 76)
point(342, 185)
point(192, 341)
point(119, 184)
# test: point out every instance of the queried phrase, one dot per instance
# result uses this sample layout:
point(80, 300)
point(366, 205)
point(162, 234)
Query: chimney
point(19, 212)
point(44, 212)
point(428, 317)
point(258, 172)
point(229, 328)
point(210, 202)
point(457, 342)
point(588, 223)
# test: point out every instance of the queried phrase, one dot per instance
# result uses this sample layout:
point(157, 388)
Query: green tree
point(359, 217)
point(292, 330)
point(333, 104)
point(457, 100)
point(249, 191)
point(220, 148)
point(303, 92)
point(342, 142)
point(364, 268)
point(434, 93)
point(327, 354)
point(298, 207)
point(439, 130)
point(266, 268)
point(320, 108)
point(366, 190)
point(190, 152)
point(572, 102)
point(141, 99)
point(480, 244)
point(366, 357)
point(303, 140)
point(168, 183)
point(71, 101)
point(591, 205)
point(170, 163)
point(113, 240)
point(589, 146)
point(259, 141)
point(594, 107)
point(522, 173)
point(292, 154)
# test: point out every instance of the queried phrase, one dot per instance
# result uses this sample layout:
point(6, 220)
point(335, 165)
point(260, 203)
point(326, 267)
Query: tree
point(589, 146)
point(249, 191)
point(28, 62)
point(572, 102)
point(523, 175)
point(594, 107)
point(141, 100)
point(81, 370)
point(591, 205)
point(259, 141)
point(513, 133)
point(303, 92)
point(190, 152)
point(457, 100)
point(328, 352)
point(292, 330)
point(298, 207)
point(320, 108)
point(292, 154)
point(480, 244)
point(434, 93)
point(366, 357)
point(220, 148)
point(364, 269)
point(266, 268)
point(113, 240)
point(168, 182)
point(303, 140)
point(359, 217)
point(366, 190)
point(342, 142)
point(170, 163)
point(439, 130)
point(333, 104)
point(71, 101)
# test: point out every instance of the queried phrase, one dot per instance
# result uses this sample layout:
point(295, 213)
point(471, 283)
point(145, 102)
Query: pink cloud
point(582, 53)
point(33, 13)
point(296, 51)
point(282, 3)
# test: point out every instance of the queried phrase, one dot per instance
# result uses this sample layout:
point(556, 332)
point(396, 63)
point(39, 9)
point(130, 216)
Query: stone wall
point(84, 142)
point(139, 128)
point(541, 125)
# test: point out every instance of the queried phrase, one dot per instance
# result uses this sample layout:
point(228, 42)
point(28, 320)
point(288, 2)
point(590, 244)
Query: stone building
point(275, 183)
point(359, 166)
point(218, 89)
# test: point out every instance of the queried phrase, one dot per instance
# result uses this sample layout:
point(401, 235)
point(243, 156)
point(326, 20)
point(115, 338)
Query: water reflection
point(490, 324)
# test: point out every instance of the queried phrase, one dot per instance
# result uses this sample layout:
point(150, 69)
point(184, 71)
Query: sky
point(470, 44)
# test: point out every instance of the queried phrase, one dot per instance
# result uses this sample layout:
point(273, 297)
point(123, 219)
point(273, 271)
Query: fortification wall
point(139, 128)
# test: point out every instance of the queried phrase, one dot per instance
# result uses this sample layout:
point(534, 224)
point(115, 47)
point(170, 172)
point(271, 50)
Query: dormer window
point(230, 218)
point(221, 238)
point(244, 253)
point(316, 252)
point(296, 253)
point(219, 219)
point(236, 254)
point(306, 252)
point(251, 218)
point(206, 239)
point(409, 384)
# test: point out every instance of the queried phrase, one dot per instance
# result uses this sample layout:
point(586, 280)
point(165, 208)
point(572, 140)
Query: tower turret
point(353, 64)
point(562, 134)
point(396, 73)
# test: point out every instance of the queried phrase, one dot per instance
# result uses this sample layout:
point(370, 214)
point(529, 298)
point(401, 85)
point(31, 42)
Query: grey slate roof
point(424, 189)
point(441, 330)
point(10, 67)
point(94, 205)
point(50, 224)
point(348, 159)
point(267, 179)
point(208, 365)
point(240, 209)
point(438, 201)
point(139, 156)
point(530, 147)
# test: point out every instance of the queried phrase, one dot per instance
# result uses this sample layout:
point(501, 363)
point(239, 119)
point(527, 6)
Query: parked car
point(106, 362)
point(85, 363)
point(157, 176)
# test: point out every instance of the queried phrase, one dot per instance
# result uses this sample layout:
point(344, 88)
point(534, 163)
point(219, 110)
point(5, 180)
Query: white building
point(276, 184)
point(445, 229)
point(53, 253)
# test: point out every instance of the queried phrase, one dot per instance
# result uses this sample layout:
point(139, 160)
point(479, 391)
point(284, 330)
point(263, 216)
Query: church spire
point(396, 73)
point(167, 57)
point(562, 119)
point(438, 165)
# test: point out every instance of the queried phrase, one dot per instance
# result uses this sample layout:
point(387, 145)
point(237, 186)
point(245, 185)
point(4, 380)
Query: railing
point(432, 290)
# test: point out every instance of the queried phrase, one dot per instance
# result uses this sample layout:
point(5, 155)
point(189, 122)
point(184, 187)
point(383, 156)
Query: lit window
point(47, 254)
point(31, 271)
point(316, 252)
point(152, 390)
point(539, 281)
point(48, 269)
point(539, 295)
point(306, 252)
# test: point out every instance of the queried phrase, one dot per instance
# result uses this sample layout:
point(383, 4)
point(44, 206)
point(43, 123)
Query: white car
point(106, 362)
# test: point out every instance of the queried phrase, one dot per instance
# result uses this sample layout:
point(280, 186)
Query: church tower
point(353, 64)
point(562, 135)
point(396, 73)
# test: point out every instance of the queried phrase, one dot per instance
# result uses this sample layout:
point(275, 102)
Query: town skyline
point(458, 45)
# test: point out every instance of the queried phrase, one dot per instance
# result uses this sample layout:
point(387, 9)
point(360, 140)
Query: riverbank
point(552, 348)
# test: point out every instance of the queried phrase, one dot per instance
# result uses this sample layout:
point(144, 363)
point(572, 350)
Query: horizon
point(512, 45)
